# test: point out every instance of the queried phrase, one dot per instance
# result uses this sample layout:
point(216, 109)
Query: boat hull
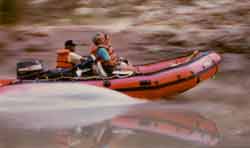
point(158, 80)
point(159, 83)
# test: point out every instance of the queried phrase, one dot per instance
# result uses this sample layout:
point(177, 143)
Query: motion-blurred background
point(36, 28)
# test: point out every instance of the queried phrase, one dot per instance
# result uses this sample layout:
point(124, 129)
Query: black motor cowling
point(29, 69)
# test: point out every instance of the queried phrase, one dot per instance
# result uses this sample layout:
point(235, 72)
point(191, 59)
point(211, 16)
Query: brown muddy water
point(224, 100)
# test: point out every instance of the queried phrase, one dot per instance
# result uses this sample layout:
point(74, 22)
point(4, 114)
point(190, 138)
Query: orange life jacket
point(62, 59)
point(113, 57)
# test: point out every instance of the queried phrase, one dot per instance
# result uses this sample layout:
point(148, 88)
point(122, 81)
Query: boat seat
point(123, 73)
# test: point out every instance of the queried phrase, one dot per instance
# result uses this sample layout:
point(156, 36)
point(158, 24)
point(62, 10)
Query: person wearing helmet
point(67, 58)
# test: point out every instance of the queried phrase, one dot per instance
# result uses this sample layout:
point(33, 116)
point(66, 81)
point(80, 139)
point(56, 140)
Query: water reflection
point(168, 124)
point(106, 119)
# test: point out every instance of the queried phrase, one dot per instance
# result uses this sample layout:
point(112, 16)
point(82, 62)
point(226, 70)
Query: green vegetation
point(34, 49)
point(9, 11)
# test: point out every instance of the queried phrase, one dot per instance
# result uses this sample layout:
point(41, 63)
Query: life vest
point(113, 57)
point(62, 59)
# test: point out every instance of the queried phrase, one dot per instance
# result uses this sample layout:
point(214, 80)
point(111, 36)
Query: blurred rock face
point(152, 28)
point(175, 24)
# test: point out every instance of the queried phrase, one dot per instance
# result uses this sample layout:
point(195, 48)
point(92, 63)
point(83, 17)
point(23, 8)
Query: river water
point(223, 99)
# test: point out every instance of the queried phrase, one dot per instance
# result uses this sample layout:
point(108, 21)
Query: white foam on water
point(60, 105)
point(34, 97)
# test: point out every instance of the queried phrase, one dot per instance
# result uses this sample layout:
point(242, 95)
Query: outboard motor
point(29, 69)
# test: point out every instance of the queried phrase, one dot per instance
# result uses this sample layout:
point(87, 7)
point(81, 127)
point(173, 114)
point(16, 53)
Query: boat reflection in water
point(159, 125)
point(65, 115)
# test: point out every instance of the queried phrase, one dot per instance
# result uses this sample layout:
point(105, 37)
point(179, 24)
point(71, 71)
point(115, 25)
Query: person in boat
point(107, 60)
point(67, 58)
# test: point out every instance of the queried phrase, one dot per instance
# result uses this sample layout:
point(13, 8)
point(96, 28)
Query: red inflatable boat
point(155, 80)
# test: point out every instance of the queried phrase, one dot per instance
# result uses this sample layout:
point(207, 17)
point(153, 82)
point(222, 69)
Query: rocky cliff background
point(158, 26)
point(157, 29)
